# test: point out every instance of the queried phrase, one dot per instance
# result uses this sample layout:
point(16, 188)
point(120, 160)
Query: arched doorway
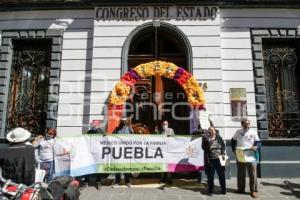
point(152, 28)
point(164, 42)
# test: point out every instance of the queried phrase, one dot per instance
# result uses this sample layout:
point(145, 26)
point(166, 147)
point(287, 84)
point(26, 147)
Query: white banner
point(89, 154)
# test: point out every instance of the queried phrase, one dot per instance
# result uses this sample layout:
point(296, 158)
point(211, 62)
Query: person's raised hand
point(254, 148)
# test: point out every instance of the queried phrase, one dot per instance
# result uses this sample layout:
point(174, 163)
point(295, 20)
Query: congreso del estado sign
point(156, 12)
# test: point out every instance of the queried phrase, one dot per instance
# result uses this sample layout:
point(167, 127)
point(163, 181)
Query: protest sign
point(246, 155)
point(89, 154)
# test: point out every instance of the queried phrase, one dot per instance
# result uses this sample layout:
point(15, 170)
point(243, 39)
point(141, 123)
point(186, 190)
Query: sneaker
point(128, 185)
point(115, 185)
point(254, 195)
point(98, 185)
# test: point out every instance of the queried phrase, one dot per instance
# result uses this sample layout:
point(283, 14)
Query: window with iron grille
point(282, 78)
point(29, 83)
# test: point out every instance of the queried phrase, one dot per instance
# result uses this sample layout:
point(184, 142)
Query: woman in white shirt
point(45, 149)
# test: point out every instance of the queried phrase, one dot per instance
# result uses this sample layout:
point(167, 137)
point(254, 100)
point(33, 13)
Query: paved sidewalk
point(273, 189)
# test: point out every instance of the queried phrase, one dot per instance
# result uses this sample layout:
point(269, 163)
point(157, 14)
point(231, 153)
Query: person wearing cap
point(246, 138)
point(17, 160)
point(45, 148)
point(124, 128)
point(166, 177)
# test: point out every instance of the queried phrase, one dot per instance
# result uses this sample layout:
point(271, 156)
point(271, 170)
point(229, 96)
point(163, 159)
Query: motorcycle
point(10, 190)
point(60, 188)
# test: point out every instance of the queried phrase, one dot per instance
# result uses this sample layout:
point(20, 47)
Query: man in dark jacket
point(18, 161)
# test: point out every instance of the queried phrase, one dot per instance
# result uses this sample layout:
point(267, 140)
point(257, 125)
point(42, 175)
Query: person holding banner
point(166, 131)
point(124, 128)
point(200, 132)
point(246, 139)
point(214, 148)
point(96, 128)
point(45, 147)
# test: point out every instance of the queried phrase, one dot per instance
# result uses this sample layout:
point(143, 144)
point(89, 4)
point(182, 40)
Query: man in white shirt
point(166, 131)
point(246, 138)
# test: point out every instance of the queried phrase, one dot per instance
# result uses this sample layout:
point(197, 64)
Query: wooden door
point(158, 44)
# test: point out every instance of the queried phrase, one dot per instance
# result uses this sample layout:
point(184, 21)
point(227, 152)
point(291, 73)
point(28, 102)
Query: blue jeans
point(49, 168)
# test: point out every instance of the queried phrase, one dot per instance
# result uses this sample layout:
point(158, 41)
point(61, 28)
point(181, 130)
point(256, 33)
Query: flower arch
point(121, 91)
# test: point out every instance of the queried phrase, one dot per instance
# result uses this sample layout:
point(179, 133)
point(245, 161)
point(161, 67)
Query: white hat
point(18, 135)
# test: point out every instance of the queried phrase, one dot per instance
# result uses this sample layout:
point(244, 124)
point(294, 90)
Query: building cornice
point(14, 5)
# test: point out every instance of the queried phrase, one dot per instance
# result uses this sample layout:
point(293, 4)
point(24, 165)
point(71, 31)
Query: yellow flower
point(158, 68)
point(193, 91)
point(145, 70)
point(165, 69)
point(119, 94)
